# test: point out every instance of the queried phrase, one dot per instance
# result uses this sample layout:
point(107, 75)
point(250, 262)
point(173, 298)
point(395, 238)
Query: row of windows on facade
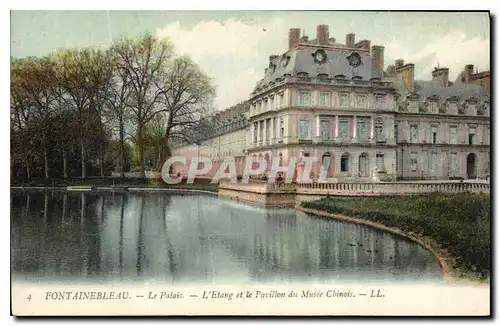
point(433, 135)
point(305, 99)
point(344, 99)
point(432, 162)
point(326, 130)
point(362, 166)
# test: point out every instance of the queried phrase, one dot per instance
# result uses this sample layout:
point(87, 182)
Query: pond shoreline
point(443, 258)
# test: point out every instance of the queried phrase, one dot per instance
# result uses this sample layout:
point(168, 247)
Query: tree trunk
point(158, 145)
point(28, 169)
point(83, 159)
point(122, 149)
point(141, 152)
point(46, 162)
point(101, 161)
point(166, 153)
point(65, 163)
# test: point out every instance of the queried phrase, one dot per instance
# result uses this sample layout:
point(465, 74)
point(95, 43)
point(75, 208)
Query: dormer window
point(433, 104)
point(302, 74)
point(357, 78)
point(284, 60)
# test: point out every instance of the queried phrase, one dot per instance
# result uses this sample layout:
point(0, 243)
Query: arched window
point(344, 162)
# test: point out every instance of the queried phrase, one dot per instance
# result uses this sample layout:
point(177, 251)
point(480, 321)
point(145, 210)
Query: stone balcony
point(340, 141)
point(320, 81)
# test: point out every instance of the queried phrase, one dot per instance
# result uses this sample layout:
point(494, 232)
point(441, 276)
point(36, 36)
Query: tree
point(141, 63)
point(20, 117)
point(117, 110)
point(188, 95)
point(34, 79)
point(83, 75)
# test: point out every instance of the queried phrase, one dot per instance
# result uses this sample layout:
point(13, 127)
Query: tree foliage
point(78, 111)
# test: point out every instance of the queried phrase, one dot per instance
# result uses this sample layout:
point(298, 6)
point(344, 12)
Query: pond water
point(183, 238)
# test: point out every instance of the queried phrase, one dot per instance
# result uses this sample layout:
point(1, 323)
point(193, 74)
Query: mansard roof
point(458, 89)
point(426, 89)
point(302, 60)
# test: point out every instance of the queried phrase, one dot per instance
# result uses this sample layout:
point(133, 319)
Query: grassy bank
point(459, 223)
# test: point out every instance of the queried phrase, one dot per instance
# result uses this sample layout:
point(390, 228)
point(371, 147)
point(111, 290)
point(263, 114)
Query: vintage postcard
point(250, 163)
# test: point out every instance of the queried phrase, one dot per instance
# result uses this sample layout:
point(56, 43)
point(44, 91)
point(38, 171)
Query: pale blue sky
point(233, 48)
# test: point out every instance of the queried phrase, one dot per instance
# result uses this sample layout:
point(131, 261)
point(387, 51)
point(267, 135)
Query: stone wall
point(289, 195)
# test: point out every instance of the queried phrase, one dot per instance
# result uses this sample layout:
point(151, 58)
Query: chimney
point(378, 58)
point(441, 75)
point(469, 71)
point(293, 37)
point(391, 71)
point(407, 73)
point(349, 40)
point(322, 34)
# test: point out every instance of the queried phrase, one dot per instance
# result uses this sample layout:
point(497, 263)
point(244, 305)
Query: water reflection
point(187, 238)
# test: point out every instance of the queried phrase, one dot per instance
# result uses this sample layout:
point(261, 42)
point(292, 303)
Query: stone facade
point(324, 99)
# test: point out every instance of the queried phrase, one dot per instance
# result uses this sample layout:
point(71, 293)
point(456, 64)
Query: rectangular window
point(325, 129)
point(361, 101)
point(398, 160)
point(324, 99)
point(434, 131)
point(453, 163)
point(433, 106)
point(433, 162)
point(361, 129)
point(379, 130)
point(453, 134)
point(396, 132)
point(379, 101)
point(304, 98)
point(282, 129)
point(344, 100)
point(261, 132)
point(255, 132)
point(380, 162)
point(343, 128)
point(304, 128)
point(344, 163)
point(413, 133)
point(414, 161)
point(268, 130)
point(472, 135)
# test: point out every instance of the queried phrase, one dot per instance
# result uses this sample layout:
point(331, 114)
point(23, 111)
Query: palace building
point(326, 99)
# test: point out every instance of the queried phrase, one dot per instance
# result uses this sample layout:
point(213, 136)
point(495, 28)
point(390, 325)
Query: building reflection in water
point(177, 238)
